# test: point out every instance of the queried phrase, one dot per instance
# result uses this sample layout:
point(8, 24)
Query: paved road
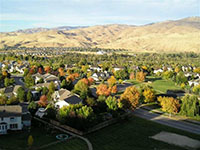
point(186, 126)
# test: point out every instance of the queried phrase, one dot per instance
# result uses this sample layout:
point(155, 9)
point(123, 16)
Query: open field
point(159, 84)
point(133, 134)
point(125, 135)
point(72, 144)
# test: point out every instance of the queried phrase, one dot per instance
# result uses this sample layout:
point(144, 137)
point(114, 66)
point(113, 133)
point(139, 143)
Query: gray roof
point(73, 99)
point(9, 111)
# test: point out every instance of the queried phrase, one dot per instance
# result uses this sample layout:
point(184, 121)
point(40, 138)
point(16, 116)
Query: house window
point(1, 118)
point(12, 119)
point(13, 126)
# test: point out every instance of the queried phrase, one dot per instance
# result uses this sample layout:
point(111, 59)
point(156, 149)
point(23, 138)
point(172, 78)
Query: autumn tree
point(113, 90)
point(40, 70)
point(112, 81)
point(140, 76)
point(132, 76)
point(130, 97)
point(43, 101)
point(169, 104)
point(149, 95)
point(30, 141)
point(47, 69)
point(102, 89)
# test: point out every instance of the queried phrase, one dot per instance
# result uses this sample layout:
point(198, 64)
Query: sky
point(23, 14)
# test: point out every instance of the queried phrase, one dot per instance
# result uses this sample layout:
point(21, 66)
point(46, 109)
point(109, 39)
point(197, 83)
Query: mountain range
point(169, 36)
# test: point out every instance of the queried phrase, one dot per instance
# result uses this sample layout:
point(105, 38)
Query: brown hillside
point(170, 36)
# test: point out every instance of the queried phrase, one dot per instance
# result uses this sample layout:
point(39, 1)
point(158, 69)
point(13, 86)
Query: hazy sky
point(21, 14)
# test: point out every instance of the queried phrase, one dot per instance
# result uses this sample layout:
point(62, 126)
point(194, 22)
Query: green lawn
point(72, 144)
point(159, 84)
point(19, 139)
point(133, 135)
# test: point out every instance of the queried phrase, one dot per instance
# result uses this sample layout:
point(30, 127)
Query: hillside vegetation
point(169, 36)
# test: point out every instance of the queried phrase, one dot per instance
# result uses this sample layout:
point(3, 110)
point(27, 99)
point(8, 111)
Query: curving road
point(183, 125)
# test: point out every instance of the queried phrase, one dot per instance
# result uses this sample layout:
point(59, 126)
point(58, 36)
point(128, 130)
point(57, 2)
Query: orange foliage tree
point(130, 97)
point(40, 70)
point(169, 104)
point(47, 69)
point(113, 89)
point(72, 77)
point(43, 101)
point(132, 76)
point(103, 89)
point(140, 76)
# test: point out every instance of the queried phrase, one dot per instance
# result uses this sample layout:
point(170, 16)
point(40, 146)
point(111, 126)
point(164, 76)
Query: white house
point(95, 77)
point(14, 117)
point(158, 70)
point(194, 82)
point(64, 97)
point(10, 118)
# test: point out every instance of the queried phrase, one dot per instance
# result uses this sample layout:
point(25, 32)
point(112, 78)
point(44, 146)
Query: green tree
point(181, 78)
point(21, 94)
point(82, 89)
point(29, 96)
point(121, 74)
point(29, 81)
point(26, 71)
point(190, 106)
point(6, 82)
point(112, 104)
point(52, 88)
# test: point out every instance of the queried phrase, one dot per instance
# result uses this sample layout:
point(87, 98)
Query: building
point(64, 97)
point(14, 117)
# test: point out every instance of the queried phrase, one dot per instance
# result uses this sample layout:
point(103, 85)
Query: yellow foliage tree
point(112, 81)
point(149, 95)
point(130, 97)
point(140, 76)
point(169, 104)
point(30, 140)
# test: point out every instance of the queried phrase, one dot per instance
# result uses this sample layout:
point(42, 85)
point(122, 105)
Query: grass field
point(72, 144)
point(133, 135)
point(159, 84)
point(19, 139)
point(127, 135)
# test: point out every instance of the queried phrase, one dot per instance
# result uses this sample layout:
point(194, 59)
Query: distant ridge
point(169, 36)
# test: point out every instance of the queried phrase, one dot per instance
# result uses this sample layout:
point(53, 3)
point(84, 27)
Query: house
point(21, 68)
point(38, 86)
point(194, 82)
point(64, 97)
point(13, 118)
point(10, 90)
point(100, 76)
point(46, 77)
point(157, 71)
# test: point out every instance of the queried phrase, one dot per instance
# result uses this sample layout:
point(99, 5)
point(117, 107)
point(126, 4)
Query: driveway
point(179, 124)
